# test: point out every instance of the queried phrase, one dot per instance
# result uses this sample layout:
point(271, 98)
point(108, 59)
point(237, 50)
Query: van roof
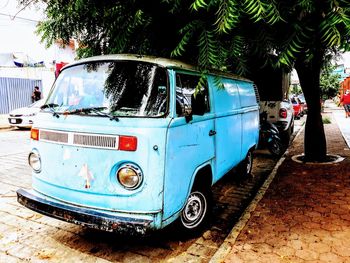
point(164, 62)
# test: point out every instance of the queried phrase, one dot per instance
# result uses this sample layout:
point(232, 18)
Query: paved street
point(28, 236)
point(14, 142)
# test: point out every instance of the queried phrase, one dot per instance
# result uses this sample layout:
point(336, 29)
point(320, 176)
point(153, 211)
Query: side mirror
point(188, 115)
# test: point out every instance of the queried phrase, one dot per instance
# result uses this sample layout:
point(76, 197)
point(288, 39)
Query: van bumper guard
point(82, 216)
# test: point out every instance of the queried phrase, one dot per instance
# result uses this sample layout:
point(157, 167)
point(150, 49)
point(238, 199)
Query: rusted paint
point(92, 219)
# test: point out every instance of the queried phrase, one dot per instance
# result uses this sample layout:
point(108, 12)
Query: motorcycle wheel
point(275, 147)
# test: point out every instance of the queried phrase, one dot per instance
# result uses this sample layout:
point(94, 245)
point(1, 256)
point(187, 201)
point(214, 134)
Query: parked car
point(24, 117)
point(303, 103)
point(148, 154)
point(280, 113)
point(297, 107)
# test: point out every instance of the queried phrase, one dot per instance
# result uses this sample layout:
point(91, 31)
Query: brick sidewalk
point(305, 214)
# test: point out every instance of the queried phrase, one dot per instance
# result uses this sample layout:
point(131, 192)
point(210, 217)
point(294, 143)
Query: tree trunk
point(315, 147)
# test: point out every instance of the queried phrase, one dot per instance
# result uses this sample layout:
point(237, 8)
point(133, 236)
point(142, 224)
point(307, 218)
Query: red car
point(297, 107)
point(303, 103)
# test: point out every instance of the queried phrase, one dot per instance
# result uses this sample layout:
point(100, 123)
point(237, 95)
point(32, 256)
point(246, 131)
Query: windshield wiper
point(50, 106)
point(97, 110)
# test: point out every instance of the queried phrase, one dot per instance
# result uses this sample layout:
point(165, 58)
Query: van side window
point(186, 101)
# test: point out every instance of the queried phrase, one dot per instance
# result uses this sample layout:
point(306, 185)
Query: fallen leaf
point(46, 254)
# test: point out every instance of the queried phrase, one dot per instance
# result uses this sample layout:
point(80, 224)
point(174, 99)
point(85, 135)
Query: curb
point(229, 241)
point(5, 127)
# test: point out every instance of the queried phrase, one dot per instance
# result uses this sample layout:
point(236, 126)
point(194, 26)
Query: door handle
point(212, 133)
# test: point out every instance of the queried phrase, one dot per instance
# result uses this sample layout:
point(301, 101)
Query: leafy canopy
point(329, 82)
point(219, 34)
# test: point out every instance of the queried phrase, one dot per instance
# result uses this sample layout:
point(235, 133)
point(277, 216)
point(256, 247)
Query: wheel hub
point(194, 210)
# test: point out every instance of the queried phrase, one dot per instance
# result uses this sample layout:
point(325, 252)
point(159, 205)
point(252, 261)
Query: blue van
point(133, 143)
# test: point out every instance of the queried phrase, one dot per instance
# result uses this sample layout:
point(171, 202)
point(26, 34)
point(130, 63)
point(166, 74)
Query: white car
point(281, 114)
point(24, 117)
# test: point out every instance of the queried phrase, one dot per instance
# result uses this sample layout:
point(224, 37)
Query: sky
point(17, 33)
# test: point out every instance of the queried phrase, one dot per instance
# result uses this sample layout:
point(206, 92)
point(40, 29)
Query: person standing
point(345, 100)
point(36, 94)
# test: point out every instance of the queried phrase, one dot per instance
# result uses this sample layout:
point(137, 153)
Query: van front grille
point(80, 139)
point(52, 136)
point(95, 141)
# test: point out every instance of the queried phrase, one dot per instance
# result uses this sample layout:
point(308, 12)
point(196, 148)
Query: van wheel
point(276, 148)
point(195, 214)
point(245, 167)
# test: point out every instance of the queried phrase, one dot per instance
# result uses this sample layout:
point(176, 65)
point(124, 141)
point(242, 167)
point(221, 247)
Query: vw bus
point(133, 143)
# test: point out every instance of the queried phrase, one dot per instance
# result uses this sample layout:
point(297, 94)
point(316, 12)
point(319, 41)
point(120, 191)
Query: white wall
point(46, 75)
point(18, 34)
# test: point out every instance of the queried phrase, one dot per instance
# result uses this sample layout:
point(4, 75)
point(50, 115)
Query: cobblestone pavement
point(28, 236)
point(305, 214)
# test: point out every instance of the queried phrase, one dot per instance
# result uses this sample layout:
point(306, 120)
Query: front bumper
point(91, 218)
point(20, 122)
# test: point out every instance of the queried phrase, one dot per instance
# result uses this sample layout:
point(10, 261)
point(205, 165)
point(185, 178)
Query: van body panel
point(250, 117)
point(228, 125)
point(247, 94)
point(188, 146)
point(250, 136)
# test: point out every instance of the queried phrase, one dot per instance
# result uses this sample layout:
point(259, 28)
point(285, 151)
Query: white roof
point(165, 62)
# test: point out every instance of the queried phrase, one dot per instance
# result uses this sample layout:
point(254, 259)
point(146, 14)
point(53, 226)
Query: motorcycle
point(269, 136)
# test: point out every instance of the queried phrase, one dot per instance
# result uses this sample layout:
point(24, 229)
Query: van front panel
point(86, 175)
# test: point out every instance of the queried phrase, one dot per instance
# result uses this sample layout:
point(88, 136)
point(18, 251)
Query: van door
point(190, 145)
point(228, 124)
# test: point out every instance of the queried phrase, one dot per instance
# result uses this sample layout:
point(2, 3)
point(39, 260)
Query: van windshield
point(119, 88)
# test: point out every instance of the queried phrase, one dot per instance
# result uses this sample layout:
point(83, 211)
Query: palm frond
point(208, 49)
point(227, 15)
point(255, 9)
point(187, 33)
point(295, 44)
point(197, 4)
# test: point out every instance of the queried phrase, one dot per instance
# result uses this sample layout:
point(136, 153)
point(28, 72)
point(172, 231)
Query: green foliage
point(255, 9)
point(295, 89)
point(329, 83)
point(219, 34)
point(198, 4)
point(326, 120)
point(227, 16)
point(187, 32)
point(208, 49)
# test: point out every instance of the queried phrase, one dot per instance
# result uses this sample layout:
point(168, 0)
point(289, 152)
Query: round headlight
point(35, 161)
point(129, 176)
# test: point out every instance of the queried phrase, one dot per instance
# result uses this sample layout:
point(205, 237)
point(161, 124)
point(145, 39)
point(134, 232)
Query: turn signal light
point(34, 134)
point(283, 113)
point(127, 143)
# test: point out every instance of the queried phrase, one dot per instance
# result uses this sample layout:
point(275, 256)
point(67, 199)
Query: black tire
point(246, 166)
point(275, 147)
point(196, 212)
